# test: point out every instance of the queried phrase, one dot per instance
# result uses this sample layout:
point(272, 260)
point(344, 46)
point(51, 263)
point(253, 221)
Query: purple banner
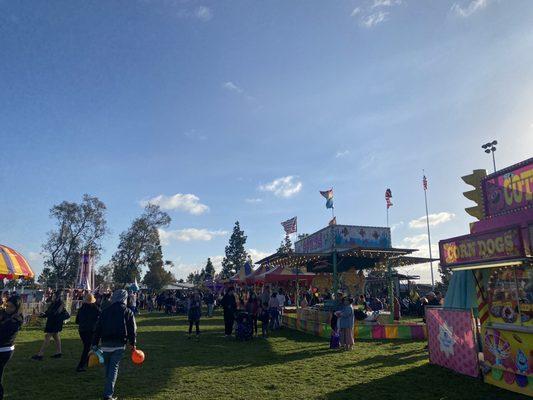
point(508, 190)
point(490, 246)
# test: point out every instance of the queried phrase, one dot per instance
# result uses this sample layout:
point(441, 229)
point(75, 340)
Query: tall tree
point(445, 277)
point(79, 227)
point(209, 269)
point(157, 277)
point(235, 253)
point(138, 243)
point(285, 246)
point(104, 276)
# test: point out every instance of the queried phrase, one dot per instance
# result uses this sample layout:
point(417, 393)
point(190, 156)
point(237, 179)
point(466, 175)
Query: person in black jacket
point(10, 323)
point(55, 316)
point(230, 306)
point(86, 319)
point(115, 327)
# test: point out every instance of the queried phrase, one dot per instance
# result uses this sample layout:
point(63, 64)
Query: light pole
point(491, 148)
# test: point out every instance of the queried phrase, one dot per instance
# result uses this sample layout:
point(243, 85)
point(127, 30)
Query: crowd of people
point(107, 319)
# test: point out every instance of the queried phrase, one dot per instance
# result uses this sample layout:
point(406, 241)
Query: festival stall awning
point(361, 258)
point(284, 274)
point(13, 265)
point(243, 274)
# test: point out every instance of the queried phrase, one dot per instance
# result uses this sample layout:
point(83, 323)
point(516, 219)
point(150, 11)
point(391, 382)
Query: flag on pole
point(333, 221)
point(388, 197)
point(425, 182)
point(290, 226)
point(328, 195)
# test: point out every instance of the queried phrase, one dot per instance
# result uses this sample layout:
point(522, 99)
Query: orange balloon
point(137, 356)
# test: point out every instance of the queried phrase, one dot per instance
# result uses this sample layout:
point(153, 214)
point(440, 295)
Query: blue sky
point(241, 110)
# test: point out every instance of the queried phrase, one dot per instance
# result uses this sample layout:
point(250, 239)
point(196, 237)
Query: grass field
point(288, 365)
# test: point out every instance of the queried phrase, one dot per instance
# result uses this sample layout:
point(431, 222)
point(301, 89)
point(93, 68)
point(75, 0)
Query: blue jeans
point(111, 363)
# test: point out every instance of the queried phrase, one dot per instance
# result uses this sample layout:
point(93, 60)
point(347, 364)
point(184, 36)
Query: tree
point(209, 269)
point(157, 277)
point(235, 253)
point(79, 227)
point(138, 244)
point(445, 278)
point(104, 275)
point(285, 246)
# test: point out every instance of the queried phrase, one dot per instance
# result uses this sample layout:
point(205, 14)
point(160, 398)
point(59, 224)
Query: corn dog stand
point(498, 254)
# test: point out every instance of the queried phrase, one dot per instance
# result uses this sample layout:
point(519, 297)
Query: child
point(263, 317)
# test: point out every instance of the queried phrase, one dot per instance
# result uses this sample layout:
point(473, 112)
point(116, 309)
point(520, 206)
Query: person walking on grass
point(115, 328)
point(345, 323)
point(210, 302)
point(194, 311)
point(55, 316)
point(10, 324)
point(273, 308)
point(252, 308)
point(229, 305)
point(86, 320)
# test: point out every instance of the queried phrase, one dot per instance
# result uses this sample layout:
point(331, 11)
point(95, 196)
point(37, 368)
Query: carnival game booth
point(497, 257)
point(337, 255)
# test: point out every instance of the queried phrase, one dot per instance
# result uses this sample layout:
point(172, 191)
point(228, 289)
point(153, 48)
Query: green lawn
point(289, 365)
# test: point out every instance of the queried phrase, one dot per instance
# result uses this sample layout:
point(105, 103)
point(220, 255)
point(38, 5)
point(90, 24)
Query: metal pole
point(391, 291)
point(335, 280)
point(387, 216)
point(429, 241)
point(493, 159)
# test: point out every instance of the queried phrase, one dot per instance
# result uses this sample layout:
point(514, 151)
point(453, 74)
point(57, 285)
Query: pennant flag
point(290, 226)
point(388, 197)
point(333, 221)
point(328, 194)
point(425, 182)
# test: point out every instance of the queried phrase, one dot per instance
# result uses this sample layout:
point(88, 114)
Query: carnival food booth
point(497, 257)
point(338, 255)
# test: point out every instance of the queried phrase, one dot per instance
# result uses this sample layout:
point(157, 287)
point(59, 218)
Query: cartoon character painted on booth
point(446, 340)
point(521, 362)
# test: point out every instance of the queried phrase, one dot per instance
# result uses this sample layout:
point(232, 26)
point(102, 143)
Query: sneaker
point(58, 355)
point(37, 357)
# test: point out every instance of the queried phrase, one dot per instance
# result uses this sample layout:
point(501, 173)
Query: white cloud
point(386, 3)
point(420, 242)
point(355, 11)
point(203, 13)
point(286, 186)
point(257, 254)
point(232, 87)
point(374, 19)
point(184, 202)
point(470, 8)
point(434, 220)
point(193, 134)
point(189, 234)
point(341, 154)
point(396, 226)
point(253, 201)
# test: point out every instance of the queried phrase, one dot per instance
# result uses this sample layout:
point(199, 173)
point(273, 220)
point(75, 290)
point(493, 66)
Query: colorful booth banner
point(361, 331)
point(508, 190)
point(509, 354)
point(497, 245)
point(451, 340)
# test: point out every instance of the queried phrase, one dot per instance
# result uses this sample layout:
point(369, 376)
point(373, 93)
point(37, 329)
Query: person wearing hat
point(115, 327)
point(86, 319)
point(10, 323)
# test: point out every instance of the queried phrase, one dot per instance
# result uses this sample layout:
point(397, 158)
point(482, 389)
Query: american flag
point(388, 197)
point(425, 182)
point(290, 226)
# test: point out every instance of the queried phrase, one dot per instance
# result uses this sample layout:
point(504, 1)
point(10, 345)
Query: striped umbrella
point(13, 265)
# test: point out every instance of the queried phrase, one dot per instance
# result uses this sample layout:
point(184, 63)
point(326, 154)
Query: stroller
point(244, 331)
